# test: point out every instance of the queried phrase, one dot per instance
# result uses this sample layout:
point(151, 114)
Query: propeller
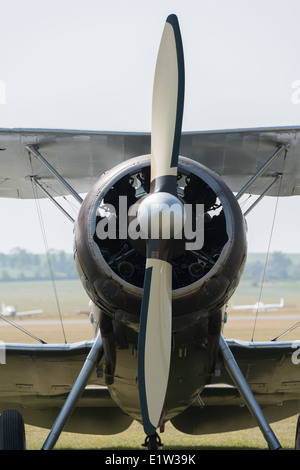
point(161, 215)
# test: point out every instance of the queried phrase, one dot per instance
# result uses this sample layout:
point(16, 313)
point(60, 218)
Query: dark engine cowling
point(112, 269)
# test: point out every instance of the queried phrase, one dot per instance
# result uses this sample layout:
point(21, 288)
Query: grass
point(29, 295)
point(72, 298)
point(133, 438)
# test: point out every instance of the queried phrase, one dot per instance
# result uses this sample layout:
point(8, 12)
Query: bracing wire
point(287, 331)
point(44, 235)
point(71, 204)
point(267, 257)
point(269, 244)
point(21, 328)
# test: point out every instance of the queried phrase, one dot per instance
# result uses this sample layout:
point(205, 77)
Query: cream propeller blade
point(154, 348)
point(167, 103)
point(155, 341)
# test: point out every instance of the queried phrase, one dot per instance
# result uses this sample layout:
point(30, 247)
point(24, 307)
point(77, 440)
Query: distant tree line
point(279, 267)
point(20, 265)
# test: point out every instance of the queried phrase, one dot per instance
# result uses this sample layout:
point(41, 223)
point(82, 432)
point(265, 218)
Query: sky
point(90, 65)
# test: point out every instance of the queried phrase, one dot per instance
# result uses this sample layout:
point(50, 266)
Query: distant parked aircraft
point(260, 307)
point(11, 311)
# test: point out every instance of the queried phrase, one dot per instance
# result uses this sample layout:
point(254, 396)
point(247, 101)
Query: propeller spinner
point(154, 348)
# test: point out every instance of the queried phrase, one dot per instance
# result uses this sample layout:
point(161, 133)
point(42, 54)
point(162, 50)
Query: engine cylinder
point(111, 266)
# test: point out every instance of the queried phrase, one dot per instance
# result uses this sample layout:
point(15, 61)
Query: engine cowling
point(112, 268)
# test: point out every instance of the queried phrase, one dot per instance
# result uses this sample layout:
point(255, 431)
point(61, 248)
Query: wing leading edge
point(81, 157)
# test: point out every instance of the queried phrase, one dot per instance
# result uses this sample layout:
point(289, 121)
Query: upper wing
point(81, 157)
point(236, 155)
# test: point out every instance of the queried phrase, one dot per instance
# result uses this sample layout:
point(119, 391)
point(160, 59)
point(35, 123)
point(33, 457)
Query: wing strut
point(276, 178)
point(36, 182)
point(262, 170)
point(34, 151)
point(244, 389)
point(91, 362)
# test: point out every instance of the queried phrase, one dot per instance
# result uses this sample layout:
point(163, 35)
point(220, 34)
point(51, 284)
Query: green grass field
point(32, 295)
point(133, 438)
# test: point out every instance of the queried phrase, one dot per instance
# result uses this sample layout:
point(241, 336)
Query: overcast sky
point(90, 65)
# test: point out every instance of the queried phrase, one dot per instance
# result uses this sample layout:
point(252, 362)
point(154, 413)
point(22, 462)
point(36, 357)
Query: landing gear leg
point(153, 442)
point(244, 389)
point(91, 362)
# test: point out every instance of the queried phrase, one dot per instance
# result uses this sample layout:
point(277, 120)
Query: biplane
point(159, 297)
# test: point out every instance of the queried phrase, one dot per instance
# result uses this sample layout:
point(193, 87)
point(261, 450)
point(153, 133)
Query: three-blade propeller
point(154, 348)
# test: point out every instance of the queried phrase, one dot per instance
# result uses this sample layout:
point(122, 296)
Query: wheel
point(12, 431)
point(153, 442)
